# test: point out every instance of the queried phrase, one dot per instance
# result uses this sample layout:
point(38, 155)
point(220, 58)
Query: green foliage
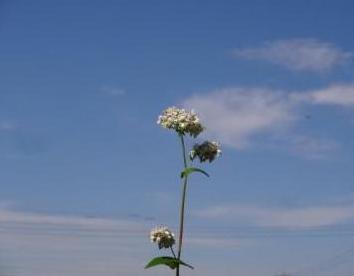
point(190, 170)
point(168, 261)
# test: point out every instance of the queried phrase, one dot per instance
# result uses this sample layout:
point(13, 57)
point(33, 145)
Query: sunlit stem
point(181, 219)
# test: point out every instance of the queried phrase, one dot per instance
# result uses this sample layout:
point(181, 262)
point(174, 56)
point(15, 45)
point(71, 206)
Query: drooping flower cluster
point(207, 151)
point(181, 121)
point(162, 236)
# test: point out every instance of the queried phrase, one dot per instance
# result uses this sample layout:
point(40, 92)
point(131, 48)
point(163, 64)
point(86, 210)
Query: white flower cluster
point(181, 121)
point(207, 151)
point(162, 236)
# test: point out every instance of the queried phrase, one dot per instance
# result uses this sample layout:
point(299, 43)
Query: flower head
point(181, 121)
point(207, 151)
point(162, 236)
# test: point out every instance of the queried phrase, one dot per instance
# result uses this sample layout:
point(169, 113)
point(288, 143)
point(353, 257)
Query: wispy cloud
point(216, 242)
point(295, 218)
point(112, 91)
point(45, 244)
point(312, 148)
point(239, 116)
point(301, 144)
point(297, 54)
point(9, 216)
point(340, 94)
point(7, 125)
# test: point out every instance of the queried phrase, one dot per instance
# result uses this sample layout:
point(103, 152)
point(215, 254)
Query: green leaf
point(190, 170)
point(169, 261)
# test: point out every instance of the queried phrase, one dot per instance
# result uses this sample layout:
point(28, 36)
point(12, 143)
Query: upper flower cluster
point(181, 121)
point(207, 151)
point(162, 236)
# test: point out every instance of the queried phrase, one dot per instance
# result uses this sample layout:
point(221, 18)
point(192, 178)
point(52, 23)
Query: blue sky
point(86, 172)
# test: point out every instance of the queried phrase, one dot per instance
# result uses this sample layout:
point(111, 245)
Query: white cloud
point(42, 244)
point(342, 95)
point(113, 91)
point(242, 117)
point(235, 115)
point(214, 242)
point(35, 244)
point(295, 218)
point(298, 54)
point(8, 216)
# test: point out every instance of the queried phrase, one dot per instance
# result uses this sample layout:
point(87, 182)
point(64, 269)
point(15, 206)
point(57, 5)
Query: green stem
point(184, 152)
point(173, 252)
point(184, 189)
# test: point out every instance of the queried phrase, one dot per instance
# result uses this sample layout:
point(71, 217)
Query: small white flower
point(162, 236)
point(181, 121)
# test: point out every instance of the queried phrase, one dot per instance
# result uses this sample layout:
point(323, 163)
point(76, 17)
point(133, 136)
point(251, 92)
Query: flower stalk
point(184, 191)
point(182, 122)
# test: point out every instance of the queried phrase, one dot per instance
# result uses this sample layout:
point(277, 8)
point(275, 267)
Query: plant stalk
point(184, 189)
point(173, 252)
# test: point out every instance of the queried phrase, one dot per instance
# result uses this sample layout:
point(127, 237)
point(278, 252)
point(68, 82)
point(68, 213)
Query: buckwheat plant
point(183, 123)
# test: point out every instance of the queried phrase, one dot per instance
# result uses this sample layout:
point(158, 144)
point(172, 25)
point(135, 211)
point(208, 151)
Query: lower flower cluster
point(162, 236)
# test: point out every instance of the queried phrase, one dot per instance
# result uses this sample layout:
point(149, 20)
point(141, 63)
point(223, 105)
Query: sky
point(86, 172)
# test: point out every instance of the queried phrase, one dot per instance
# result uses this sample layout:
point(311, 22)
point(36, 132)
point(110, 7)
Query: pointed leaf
point(190, 170)
point(168, 261)
point(187, 265)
